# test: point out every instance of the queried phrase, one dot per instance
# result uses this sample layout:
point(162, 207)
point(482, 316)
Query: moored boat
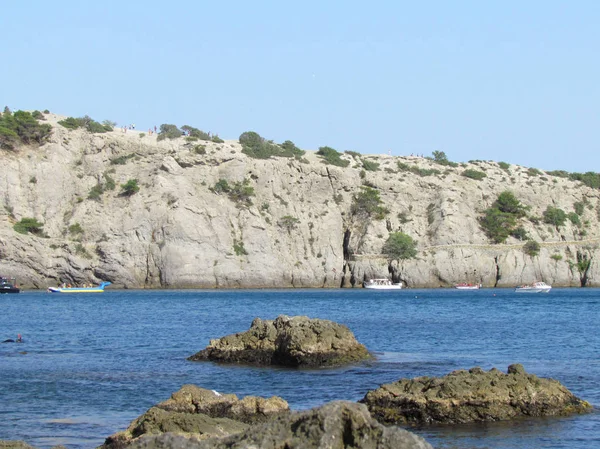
point(9, 285)
point(536, 287)
point(382, 284)
point(68, 289)
point(465, 286)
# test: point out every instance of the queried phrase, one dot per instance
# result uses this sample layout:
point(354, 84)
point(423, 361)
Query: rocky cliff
point(180, 230)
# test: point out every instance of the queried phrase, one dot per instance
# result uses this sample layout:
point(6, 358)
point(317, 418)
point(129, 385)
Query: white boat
point(536, 287)
point(465, 286)
point(69, 289)
point(382, 284)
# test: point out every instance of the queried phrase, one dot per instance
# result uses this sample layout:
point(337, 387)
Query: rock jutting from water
point(296, 341)
point(472, 396)
point(194, 412)
point(338, 424)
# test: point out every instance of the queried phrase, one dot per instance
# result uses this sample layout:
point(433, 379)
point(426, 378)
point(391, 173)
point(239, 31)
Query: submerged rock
point(472, 396)
point(289, 341)
point(196, 413)
point(338, 424)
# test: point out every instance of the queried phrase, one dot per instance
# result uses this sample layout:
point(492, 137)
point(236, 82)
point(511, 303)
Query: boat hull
point(98, 289)
point(532, 290)
point(9, 289)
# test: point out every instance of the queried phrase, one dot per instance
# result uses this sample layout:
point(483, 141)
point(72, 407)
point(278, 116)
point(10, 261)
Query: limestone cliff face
point(176, 232)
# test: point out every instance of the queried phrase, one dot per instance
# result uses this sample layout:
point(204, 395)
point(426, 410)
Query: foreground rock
point(289, 341)
point(197, 413)
point(472, 396)
point(335, 425)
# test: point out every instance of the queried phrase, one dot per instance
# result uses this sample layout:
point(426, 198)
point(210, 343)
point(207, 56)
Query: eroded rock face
point(472, 396)
point(196, 413)
point(289, 341)
point(338, 424)
point(178, 232)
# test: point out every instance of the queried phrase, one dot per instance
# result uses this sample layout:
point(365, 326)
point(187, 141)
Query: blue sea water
point(90, 364)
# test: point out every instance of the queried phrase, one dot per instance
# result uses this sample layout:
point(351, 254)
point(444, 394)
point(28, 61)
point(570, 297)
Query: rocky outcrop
point(334, 425)
point(289, 341)
point(199, 414)
point(298, 229)
point(472, 396)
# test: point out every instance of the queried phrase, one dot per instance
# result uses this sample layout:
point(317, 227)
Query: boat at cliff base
point(68, 289)
point(8, 285)
point(382, 284)
point(536, 287)
point(465, 286)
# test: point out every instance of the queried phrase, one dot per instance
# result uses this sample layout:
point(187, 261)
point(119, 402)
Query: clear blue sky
point(513, 81)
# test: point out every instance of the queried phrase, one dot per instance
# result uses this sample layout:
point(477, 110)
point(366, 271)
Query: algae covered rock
point(472, 396)
point(289, 341)
point(196, 413)
point(338, 424)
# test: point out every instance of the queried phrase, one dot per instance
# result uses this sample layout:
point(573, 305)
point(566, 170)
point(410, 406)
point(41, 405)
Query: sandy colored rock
point(178, 232)
point(472, 396)
point(289, 341)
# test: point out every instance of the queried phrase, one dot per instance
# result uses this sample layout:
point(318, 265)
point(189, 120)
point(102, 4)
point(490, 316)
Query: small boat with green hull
point(69, 289)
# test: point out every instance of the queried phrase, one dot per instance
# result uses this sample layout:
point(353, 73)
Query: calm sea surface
point(91, 364)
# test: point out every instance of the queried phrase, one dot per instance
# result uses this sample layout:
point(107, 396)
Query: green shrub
point(574, 218)
point(22, 128)
point(579, 207)
point(589, 179)
point(533, 172)
point(354, 154)
point(289, 149)
point(558, 173)
point(86, 122)
point(241, 193)
point(439, 157)
point(255, 146)
point(556, 257)
point(71, 123)
point(370, 165)
point(130, 188)
point(508, 203)
point(288, 222)
point(122, 160)
point(504, 165)
point(238, 248)
point(95, 192)
point(366, 204)
point(168, 131)
point(80, 250)
point(417, 170)
point(332, 157)
point(497, 225)
point(76, 229)
point(531, 248)
point(109, 183)
point(200, 149)
point(217, 139)
point(38, 115)
point(222, 186)
point(474, 174)
point(195, 133)
point(554, 216)
point(29, 225)
point(399, 246)
point(519, 233)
